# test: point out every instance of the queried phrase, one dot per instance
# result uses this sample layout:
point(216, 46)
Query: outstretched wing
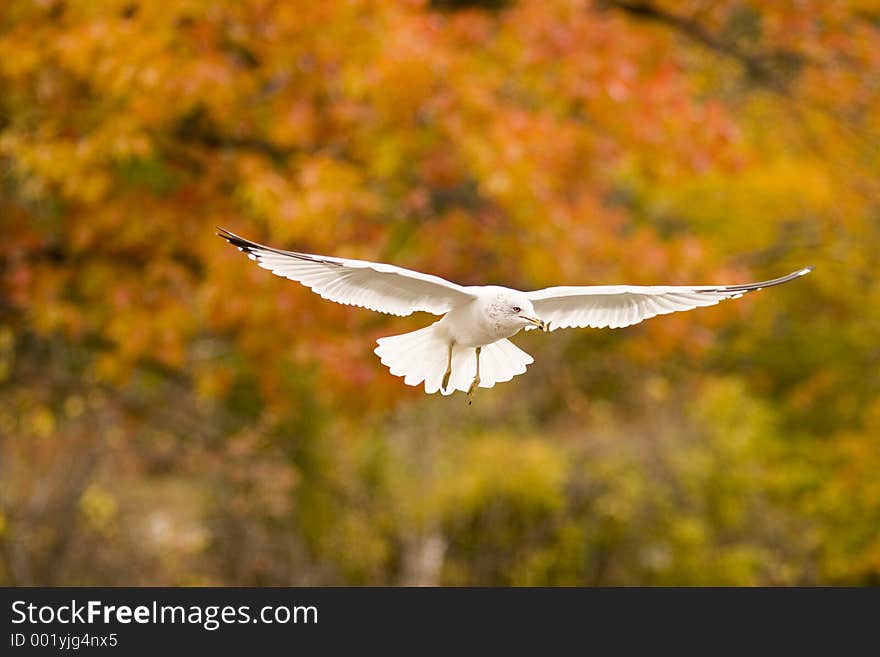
point(372, 285)
point(616, 306)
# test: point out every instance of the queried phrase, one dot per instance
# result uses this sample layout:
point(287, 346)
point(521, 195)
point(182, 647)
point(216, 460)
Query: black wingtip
point(235, 240)
point(754, 287)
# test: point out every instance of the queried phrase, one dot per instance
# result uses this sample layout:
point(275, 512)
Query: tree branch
point(767, 69)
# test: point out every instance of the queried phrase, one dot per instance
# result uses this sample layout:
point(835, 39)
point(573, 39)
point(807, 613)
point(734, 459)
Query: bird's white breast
point(473, 324)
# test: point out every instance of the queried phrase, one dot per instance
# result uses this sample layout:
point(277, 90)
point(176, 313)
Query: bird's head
point(514, 311)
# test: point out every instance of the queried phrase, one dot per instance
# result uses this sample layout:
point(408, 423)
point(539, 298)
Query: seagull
point(468, 346)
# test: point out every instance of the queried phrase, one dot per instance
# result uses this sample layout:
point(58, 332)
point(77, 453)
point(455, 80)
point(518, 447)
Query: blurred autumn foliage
point(171, 414)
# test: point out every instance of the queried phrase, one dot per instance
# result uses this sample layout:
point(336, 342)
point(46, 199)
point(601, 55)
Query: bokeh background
point(172, 414)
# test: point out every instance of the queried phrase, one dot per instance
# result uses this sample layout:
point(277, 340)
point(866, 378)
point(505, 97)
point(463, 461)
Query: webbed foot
point(472, 389)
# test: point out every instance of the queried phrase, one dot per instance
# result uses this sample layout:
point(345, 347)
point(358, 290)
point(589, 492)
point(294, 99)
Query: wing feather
point(616, 306)
point(373, 285)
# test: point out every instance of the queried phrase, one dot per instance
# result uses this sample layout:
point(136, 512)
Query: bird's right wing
point(373, 285)
point(616, 306)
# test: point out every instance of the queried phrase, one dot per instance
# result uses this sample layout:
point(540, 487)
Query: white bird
point(468, 346)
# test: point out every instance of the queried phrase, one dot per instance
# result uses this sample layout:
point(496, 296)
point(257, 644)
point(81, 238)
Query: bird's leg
point(476, 381)
point(448, 368)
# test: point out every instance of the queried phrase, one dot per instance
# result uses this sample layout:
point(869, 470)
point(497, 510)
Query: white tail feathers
point(421, 356)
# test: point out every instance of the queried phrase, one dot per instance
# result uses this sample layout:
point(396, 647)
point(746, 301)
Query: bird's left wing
point(616, 306)
point(373, 285)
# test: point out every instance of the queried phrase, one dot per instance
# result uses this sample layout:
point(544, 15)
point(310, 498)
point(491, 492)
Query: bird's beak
point(537, 322)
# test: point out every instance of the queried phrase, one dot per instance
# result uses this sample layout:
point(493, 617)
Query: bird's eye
point(517, 309)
